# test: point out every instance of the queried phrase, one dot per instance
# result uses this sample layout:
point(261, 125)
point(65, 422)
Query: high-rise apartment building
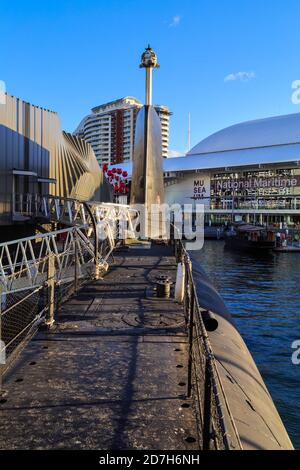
point(110, 129)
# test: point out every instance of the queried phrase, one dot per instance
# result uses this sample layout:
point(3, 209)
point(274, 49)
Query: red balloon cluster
point(117, 178)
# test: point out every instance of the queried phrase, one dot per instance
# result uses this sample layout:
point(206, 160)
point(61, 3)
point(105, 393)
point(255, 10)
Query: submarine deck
point(110, 373)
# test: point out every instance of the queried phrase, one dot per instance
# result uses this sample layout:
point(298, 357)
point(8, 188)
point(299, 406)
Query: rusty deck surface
point(111, 373)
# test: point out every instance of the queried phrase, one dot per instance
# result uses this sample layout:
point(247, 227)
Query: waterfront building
point(37, 159)
point(249, 171)
point(110, 129)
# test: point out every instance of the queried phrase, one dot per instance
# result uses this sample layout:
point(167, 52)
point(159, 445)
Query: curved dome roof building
point(250, 170)
point(278, 130)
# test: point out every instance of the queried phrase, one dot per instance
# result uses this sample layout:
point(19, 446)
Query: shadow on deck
point(111, 372)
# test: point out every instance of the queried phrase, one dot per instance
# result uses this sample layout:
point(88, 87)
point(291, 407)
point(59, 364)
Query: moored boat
point(250, 238)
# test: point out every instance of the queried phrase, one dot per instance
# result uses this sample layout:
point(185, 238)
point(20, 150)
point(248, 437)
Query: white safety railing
point(23, 263)
point(71, 211)
point(96, 227)
point(37, 273)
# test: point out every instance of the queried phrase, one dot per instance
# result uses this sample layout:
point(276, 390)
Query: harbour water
point(263, 295)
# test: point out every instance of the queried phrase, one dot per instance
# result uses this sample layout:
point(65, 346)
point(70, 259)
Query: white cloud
point(175, 153)
point(175, 21)
point(241, 76)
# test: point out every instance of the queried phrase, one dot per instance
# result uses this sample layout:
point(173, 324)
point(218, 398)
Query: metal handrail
point(38, 272)
point(210, 375)
point(95, 224)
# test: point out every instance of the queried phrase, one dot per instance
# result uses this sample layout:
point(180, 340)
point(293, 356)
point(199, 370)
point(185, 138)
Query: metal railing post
point(176, 247)
point(75, 263)
point(2, 354)
point(210, 407)
point(207, 406)
point(96, 240)
point(51, 291)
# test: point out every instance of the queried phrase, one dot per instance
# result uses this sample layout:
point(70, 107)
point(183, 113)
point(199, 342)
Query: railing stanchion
point(75, 262)
point(202, 374)
point(51, 291)
point(175, 249)
point(207, 406)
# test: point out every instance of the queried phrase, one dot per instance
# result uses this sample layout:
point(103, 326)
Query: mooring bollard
point(163, 287)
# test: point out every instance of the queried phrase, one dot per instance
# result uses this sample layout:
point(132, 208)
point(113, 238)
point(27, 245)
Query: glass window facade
point(261, 189)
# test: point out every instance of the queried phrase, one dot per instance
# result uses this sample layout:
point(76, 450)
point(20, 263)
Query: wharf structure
point(96, 359)
point(110, 373)
point(109, 341)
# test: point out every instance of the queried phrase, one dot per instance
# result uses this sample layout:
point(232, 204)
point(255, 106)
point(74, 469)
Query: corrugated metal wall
point(31, 139)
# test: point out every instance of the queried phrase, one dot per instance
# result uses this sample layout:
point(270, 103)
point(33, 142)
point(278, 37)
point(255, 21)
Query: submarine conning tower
point(147, 187)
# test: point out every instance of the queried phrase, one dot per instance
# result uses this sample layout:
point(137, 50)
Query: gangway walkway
point(111, 373)
point(114, 340)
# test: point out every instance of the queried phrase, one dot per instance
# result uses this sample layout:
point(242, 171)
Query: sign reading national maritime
point(256, 183)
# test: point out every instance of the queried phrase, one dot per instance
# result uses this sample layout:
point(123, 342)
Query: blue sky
point(224, 61)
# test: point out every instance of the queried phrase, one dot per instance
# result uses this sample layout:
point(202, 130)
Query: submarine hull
point(257, 420)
